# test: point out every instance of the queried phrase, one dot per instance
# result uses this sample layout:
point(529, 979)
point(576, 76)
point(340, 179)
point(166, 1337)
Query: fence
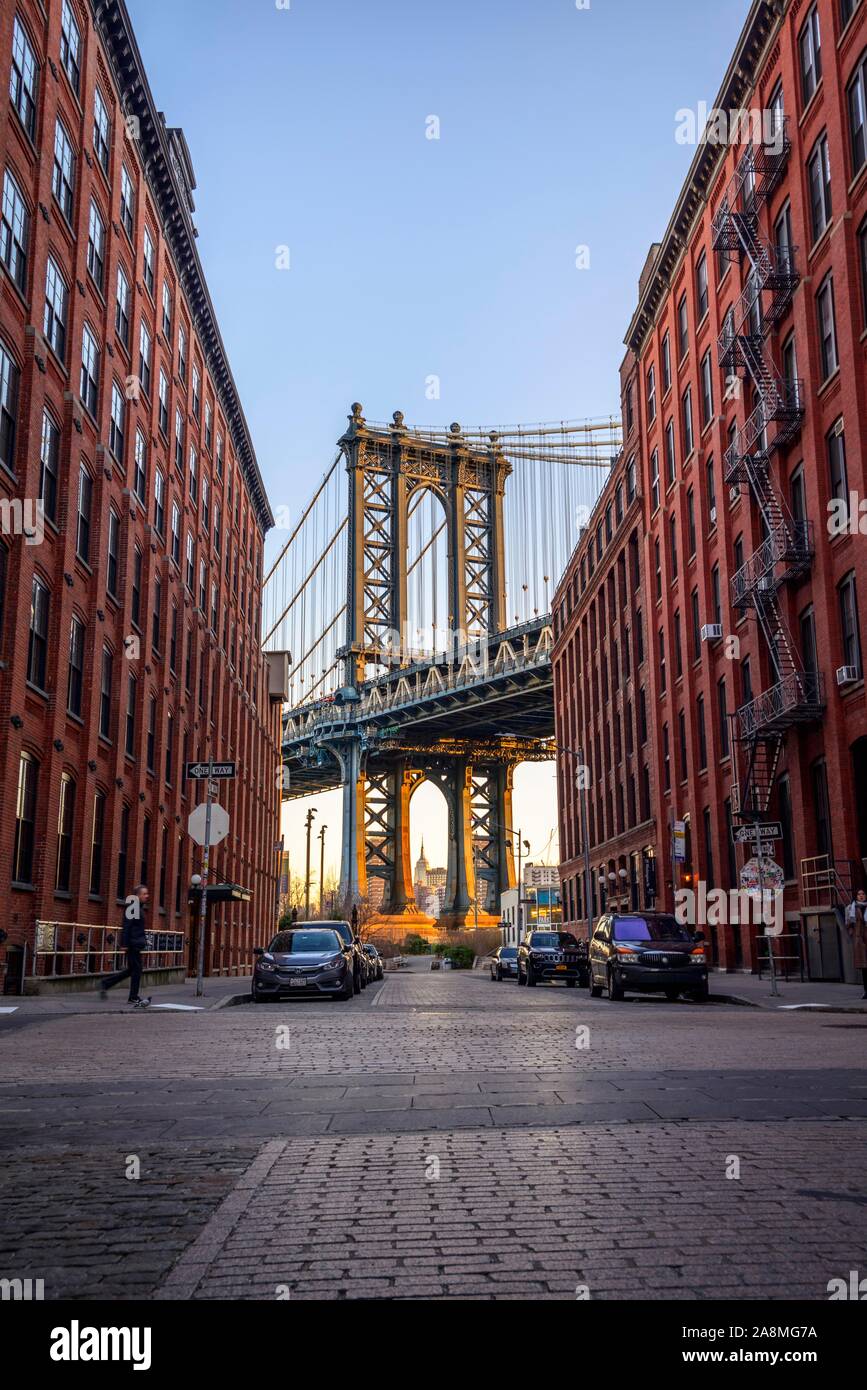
point(67, 949)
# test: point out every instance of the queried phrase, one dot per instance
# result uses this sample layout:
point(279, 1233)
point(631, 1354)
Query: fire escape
point(786, 552)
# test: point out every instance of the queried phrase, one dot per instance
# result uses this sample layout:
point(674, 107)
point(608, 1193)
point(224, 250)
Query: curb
point(229, 1000)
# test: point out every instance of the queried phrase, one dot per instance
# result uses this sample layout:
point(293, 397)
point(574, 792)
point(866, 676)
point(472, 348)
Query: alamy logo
point(22, 1290)
point(853, 1289)
point(25, 519)
point(77, 1343)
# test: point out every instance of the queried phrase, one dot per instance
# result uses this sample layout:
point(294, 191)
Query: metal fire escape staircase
point(787, 550)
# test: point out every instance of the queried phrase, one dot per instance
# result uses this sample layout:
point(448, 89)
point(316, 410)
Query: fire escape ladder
point(786, 552)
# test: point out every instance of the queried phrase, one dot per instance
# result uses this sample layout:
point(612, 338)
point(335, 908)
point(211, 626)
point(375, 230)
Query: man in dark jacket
point(133, 939)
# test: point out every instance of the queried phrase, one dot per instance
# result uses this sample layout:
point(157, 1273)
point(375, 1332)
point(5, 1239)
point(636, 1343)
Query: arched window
point(65, 822)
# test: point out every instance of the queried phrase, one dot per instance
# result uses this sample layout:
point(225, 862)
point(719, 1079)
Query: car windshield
point(553, 938)
point(508, 952)
point(296, 942)
point(343, 930)
point(660, 928)
point(371, 950)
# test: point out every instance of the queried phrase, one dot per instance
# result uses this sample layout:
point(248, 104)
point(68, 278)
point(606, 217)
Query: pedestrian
point(856, 923)
point(133, 939)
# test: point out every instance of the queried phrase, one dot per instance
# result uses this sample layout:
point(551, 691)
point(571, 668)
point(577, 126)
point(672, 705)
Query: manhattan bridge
point(414, 597)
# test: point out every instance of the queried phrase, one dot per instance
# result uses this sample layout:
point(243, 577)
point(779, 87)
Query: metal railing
point(792, 542)
point(796, 699)
point(827, 883)
point(764, 959)
point(67, 949)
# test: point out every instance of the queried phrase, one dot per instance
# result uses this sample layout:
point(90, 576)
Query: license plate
point(562, 967)
point(297, 984)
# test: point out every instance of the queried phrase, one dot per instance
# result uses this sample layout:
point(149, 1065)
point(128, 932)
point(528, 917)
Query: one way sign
point(198, 771)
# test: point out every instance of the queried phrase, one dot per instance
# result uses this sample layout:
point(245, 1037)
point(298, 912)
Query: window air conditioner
point(711, 632)
point(713, 516)
point(847, 675)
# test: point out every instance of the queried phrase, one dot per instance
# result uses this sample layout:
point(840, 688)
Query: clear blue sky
point(412, 257)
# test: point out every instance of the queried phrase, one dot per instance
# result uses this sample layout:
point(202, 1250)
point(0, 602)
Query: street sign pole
point(203, 905)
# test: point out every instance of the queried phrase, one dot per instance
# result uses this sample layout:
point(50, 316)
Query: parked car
point(304, 960)
point(361, 969)
point(504, 963)
point(377, 970)
point(552, 955)
point(646, 952)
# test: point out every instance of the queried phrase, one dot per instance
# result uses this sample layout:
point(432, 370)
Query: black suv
point(552, 955)
point(649, 952)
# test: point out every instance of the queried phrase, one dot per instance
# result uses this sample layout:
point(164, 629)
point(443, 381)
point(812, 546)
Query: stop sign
point(219, 823)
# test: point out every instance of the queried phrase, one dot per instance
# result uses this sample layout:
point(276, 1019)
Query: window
point(91, 367)
point(662, 666)
point(148, 261)
point(179, 441)
point(75, 677)
point(849, 624)
point(690, 521)
point(9, 379)
point(657, 565)
point(70, 45)
point(113, 550)
point(97, 836)
point(96, 246)
point(176, 533)
point(798, 495)
point(144, 359)
point(702, 733)
point(167, 312)
point(49, 454)
point(666, 759)
point(157, 615)
point(722, 700)
point(14, 231)
point(651, 395)
point(810, 46)
point(666, 362)
point(783, 239)
point(191, 562)
point(847, 9)
point(696, 625)
point(217, 527)
point(688, 431)
point(206, 495)
point(706, 389)
point(101, 129)
point(173, 640)
point(127, 200)
point(121, 309)
point(819, 179)
point(670, 458)
point(25, 820)
point(63, 178)
point(37, 651)
point(159, 502)
point(630, 481)
point(701, 286)
point(23, 78)
point(630, 410)
point(716, 594)
point(106, 692)
point(836, 442)
point(682, 327)
point(85, 509)
point(197, 393)
point(809, 650)
point(123, 852)
point(203, 586)
point(182, 354)
point(131, 690)
point(56, 307)
point(711, 491)
point(827, 326)
point(163, 403)
point(135, 610)
point(209, 415)
point(654, 479)
point(141, 467)
point(681, 734)
point(215, 609)
point(858, 116)
point(170, 733)
point(194, 476)
point(678, 646)
point(220, 448)
point(117, 423)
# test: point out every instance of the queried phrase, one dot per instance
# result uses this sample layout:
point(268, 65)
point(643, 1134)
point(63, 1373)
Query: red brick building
point(130, 620)
point(745, 414)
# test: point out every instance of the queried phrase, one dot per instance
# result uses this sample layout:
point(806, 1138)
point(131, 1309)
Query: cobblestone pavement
point(441, 1136)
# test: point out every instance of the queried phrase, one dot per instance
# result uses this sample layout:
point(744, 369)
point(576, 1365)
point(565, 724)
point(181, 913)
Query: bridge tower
point(386, 468)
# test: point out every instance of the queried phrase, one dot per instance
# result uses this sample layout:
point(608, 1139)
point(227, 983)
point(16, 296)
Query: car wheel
point(672, 994)
point(700, 996)
point(348, 990)
point(595, 990)
point(255, 996)
point(356, 983)
point(615, 991)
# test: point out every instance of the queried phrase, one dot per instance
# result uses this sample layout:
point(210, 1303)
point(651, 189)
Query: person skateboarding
point(133, 939)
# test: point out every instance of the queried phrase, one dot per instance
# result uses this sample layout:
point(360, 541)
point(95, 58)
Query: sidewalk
point(749, 989)
point(217, 991)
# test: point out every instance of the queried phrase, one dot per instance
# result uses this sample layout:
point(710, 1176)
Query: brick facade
point(187, 636)
point(696, 535)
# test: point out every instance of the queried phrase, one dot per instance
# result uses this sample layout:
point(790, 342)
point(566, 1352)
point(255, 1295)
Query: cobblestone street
point(442, 1136)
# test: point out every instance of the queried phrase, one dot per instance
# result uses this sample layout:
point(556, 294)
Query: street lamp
point(322, 870)
point(310, 814)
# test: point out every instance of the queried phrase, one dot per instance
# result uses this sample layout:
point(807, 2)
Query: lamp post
point(322, 870)
point(310, 814)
